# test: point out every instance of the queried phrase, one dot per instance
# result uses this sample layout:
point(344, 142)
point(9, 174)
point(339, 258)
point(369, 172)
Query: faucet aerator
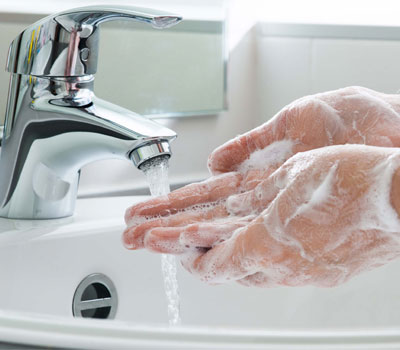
point(148, 151)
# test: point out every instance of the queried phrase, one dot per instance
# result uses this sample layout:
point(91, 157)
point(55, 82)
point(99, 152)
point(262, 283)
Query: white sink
point(43, 262)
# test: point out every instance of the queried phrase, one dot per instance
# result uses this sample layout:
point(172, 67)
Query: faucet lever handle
point(66, 44)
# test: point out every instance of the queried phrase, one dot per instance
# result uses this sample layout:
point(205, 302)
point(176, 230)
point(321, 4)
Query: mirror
point(180, 71)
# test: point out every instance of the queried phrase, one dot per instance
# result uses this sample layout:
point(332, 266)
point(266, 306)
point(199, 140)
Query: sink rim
point(37, 329)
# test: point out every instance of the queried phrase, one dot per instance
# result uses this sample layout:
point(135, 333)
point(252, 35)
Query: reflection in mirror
point(180, 71)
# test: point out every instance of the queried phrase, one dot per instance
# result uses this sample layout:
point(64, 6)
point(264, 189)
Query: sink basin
point(43, 262)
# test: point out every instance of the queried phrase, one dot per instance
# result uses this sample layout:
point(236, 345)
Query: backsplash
point(292, 67)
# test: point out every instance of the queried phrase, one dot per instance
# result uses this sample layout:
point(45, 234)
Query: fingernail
point(130, 243)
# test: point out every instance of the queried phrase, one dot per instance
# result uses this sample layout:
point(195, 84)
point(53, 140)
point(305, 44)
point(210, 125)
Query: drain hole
point(95, 297)
point(96, 291)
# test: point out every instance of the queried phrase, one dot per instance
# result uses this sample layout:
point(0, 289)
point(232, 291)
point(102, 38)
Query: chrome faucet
point(55, 124)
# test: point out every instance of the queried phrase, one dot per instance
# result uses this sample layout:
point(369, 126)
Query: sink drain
point(95, 297)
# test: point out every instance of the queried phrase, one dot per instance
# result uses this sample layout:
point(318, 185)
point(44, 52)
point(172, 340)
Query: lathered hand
point(354, 115)
point(307, 223)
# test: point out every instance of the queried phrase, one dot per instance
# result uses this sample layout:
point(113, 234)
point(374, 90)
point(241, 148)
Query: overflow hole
point(95, 297)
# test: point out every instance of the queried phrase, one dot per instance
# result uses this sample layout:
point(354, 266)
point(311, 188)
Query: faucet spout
point(54, 127)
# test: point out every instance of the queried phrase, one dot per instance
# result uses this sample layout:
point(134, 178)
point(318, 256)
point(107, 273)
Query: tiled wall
point(291, 67)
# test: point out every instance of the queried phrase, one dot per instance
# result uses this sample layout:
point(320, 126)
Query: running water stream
point(156, 171)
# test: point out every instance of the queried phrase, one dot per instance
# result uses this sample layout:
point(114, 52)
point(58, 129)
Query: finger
point(248, 250)
point(230, 155)
point(258, 199)
point(163, 240)
point(255, 176)
point(177, 240)
point(218, 265)
point(133, 237)
point(206, 235)
point(209, 191)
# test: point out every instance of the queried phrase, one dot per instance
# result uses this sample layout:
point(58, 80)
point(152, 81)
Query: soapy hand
point(354, 115)
point(309, 222)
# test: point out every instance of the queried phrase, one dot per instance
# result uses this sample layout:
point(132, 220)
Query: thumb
point(233, 153)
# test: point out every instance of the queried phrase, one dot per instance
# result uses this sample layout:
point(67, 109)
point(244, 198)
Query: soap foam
point(274, 154)
point(316, 194)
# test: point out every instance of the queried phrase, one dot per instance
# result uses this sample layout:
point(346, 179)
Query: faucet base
point(54, 127)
